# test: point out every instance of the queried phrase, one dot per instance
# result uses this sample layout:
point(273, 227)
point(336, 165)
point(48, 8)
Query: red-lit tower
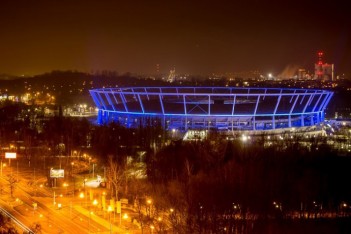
point(318, 67)
point(323, 71)
point(320, 58)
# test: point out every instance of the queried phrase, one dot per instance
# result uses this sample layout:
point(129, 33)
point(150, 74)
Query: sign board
point(57, 173)
point(118, 205)
point(10, 155)
point(124, 201)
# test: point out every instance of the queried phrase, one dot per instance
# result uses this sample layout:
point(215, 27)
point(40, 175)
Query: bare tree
point(115, 175)
point(12, 182)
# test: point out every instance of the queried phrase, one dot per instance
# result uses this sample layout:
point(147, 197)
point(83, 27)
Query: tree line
point(199, 185)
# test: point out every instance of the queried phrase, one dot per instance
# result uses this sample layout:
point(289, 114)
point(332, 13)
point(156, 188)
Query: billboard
point(10, 155)
point(57, 173)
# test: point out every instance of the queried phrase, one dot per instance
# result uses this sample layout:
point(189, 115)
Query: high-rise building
point(323, 71)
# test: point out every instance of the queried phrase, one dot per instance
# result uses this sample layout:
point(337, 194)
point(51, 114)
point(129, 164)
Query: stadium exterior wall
point(221, 108)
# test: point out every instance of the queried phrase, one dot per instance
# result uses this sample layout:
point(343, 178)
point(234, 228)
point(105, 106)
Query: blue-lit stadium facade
point(221, 108)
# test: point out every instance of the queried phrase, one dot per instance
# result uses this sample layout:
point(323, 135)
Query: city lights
point(175, 117)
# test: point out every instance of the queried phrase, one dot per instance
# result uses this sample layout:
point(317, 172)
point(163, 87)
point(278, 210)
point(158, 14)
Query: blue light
point(200, 107)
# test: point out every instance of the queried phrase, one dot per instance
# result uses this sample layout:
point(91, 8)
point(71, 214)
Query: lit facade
point(324, 71)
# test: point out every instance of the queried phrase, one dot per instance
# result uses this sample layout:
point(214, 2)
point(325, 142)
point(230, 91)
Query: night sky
point(196, 37)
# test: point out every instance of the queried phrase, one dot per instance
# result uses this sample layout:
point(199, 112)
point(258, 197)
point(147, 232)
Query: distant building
point(171, 76)
point(301, 74)
point(323, 71)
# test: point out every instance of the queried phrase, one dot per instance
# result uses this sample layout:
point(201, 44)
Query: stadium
point(205, 108)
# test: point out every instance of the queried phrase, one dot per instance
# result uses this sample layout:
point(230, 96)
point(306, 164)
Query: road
point(32, 203)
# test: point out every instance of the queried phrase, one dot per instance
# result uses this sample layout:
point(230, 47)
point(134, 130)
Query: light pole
point(89, 221)
point(54, 198)
point(72, 163)
point(93, 169)
point(109, 210)
point(17, 169)
point(95, 203)
point(171, 210)
point(85, 192)
point(149, 202)
point(81, 196)
point(125, 217)
point(65, 185)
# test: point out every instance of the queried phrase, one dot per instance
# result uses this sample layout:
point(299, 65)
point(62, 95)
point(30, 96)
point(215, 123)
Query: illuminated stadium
point(204, 108)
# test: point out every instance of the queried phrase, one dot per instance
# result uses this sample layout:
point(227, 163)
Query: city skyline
point(197, 37)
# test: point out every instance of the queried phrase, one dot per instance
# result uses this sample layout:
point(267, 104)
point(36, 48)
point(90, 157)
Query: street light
point(171, 218)
point(109, 210)
point(95, 203)
point(125, 217)
point(65, 185)
point(81, 196)
point(90, 213)
point(3, 165)
point(149, 202)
